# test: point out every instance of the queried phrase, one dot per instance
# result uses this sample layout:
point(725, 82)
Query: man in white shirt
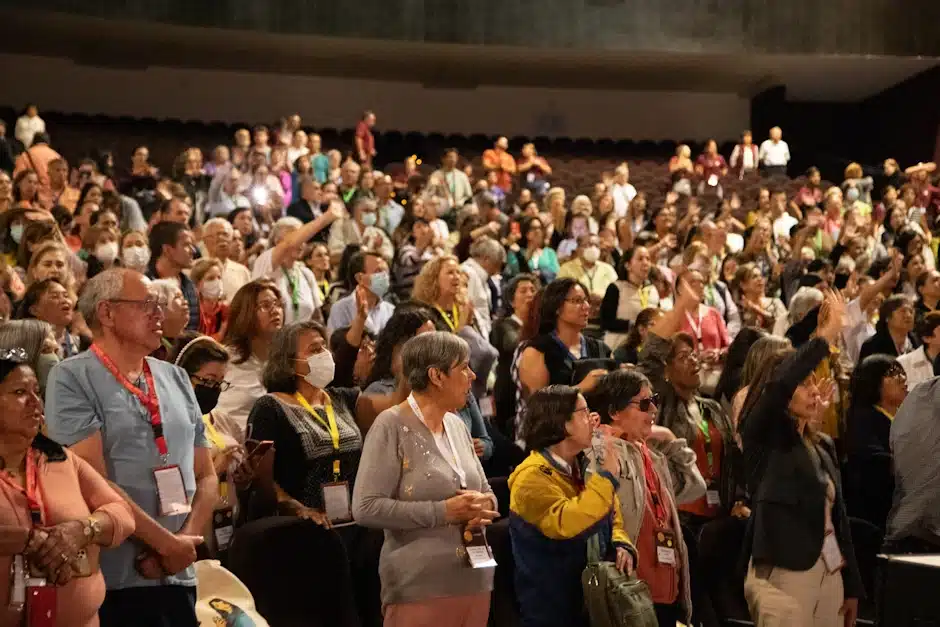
point(487, 257)
point(216, 242)
point(456, 182)
point(621, 190)
point(918, 364)
point(774, 154)
point(28, 125)
point(783, 221)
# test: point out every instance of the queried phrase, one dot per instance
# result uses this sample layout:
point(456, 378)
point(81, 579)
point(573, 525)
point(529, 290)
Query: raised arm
point(299, 237)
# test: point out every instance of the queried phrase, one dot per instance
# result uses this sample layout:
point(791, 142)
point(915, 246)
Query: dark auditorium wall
point(58, 84)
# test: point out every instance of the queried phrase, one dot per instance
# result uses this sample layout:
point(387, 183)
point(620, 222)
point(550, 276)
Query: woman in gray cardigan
point(420, 480)
point(657, 473)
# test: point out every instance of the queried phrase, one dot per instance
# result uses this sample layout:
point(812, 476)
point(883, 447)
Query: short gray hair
point(104, 286)
point(211, 222)
point(439, 350)
point(165, 289)
point(287, 223)
point(488, 249)
point(280, 370)
point(803, 302)
point(365, 200)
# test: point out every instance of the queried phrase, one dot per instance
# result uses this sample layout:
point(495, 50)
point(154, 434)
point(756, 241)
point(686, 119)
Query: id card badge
point(831, 554)
point(712, 497)
point(479, 554)
point(18, 583)
point(713, 180)
point(336, 502)
point(171, 491)
point(487, 407)
point(666, 547)
point(223, 527)
point(40, 604)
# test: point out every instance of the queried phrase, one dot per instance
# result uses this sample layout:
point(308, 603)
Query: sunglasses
point(644, 404)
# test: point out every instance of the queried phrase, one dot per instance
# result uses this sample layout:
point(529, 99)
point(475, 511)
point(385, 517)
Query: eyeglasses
point(644, 404)
point(211, 383)
point(577, 302)
point(151, 306)
point(271, 305)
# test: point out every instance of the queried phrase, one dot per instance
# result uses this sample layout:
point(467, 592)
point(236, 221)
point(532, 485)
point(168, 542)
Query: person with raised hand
point(802, 562)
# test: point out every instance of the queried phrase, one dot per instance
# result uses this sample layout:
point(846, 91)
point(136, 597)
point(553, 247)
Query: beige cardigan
point(675, 464)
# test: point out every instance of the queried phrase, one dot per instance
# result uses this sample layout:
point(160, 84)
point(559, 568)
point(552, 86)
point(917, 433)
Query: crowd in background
point(279, 331)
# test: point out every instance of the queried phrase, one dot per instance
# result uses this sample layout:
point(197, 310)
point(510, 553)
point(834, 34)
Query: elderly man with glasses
point(136, 420)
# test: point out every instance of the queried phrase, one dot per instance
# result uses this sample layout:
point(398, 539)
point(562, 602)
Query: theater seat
point(297, 572)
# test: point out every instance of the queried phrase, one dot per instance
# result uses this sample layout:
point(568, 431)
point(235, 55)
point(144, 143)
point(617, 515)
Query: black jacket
point(787, 526)
point(869, 473)
point(881, 343)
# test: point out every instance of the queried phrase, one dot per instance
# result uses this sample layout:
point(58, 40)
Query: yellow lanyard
point(644, 297)
point(884, 411)
point(451, 322)
point(324, 288)
point(212, 433)
point(331, 425)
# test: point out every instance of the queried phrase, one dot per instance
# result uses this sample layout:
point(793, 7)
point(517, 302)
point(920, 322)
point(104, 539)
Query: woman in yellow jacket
point(555, 508)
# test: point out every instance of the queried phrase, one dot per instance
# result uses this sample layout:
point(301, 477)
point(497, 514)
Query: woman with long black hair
point(802, 562)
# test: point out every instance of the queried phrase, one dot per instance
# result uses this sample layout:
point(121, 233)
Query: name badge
point(713, 180)
point(666, 547)
point(712, 498)
point(223, 527)
point(41, 603)
point(831, 554)
point(171, 491)
point(336, 502)
point(479, 553)
point(486, 406)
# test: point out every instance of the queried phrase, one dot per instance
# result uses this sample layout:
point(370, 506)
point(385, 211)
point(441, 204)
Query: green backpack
point(612, 598)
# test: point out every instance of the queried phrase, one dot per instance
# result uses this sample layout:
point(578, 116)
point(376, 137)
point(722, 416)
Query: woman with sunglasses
point(657, 471)
point(879, 386)
point(802, 562)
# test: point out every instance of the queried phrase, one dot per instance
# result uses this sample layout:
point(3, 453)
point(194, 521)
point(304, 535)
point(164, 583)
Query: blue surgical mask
point(379, 284)
point(369, 218)
point(16, 232)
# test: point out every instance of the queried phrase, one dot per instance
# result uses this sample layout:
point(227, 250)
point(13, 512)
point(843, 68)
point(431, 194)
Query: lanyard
point(348, 194)
point(294, 286)
point(589, 277)
point(886, 413)
point(212, 433)
point(643, 293)
point(702, 423)
point(329, 424)
point(67, 346)
point(451, 321)
point(653, 488)
point(567, 349)
point(453, 463)
point(324, 287)
point(150, 401)
point(32, 492)
point(696, 328)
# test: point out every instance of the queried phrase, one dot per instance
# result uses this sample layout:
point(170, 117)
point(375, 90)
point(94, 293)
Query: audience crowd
point(708, 392)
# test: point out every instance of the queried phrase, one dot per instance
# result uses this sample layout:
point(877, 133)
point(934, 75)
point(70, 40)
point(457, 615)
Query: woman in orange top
point(56, 511)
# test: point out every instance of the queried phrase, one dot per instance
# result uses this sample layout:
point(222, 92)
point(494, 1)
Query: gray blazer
point(401, 486)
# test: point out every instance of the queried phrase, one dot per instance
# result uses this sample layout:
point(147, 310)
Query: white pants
point(777, 597)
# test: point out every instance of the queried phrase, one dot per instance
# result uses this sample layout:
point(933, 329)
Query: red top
point(711, 164)
point(707, 328)
point(364, 133)
point(710, 471)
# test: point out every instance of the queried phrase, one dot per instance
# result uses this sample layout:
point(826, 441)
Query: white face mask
point(212, 289)
point(322, 369)
point(592, 254)
point(106, 253)
point(136, 257)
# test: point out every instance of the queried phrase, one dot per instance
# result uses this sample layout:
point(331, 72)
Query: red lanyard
point(149, 400)
point(653, 488)
point(33, 490)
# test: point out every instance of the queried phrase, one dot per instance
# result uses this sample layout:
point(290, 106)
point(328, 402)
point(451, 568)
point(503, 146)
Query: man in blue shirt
point(370, 271)
point(137, 422)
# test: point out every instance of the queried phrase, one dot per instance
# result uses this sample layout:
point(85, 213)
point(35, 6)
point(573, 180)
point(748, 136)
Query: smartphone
point(81, 567)
point(262, 447)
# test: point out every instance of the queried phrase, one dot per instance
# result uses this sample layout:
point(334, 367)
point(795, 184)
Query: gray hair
point(439, 350)
point(30, 335)
point(211, 222)
point(803, 302)
point(488, 249)
point(165, 289)
point(364, 200)
point(282, 226)
point(280, 370)
point(105, 286)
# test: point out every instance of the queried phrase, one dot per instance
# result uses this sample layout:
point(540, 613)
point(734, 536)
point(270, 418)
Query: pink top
point(708, 329)
point(70, 490)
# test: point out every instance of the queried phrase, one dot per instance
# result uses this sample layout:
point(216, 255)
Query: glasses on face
point(151, 306)
point(211, 383)
point(644, 404)
point(585, 410)
point(269, 306)
point(578, 301)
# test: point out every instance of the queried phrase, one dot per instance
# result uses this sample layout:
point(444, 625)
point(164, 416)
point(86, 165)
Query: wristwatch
point(91, 529)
